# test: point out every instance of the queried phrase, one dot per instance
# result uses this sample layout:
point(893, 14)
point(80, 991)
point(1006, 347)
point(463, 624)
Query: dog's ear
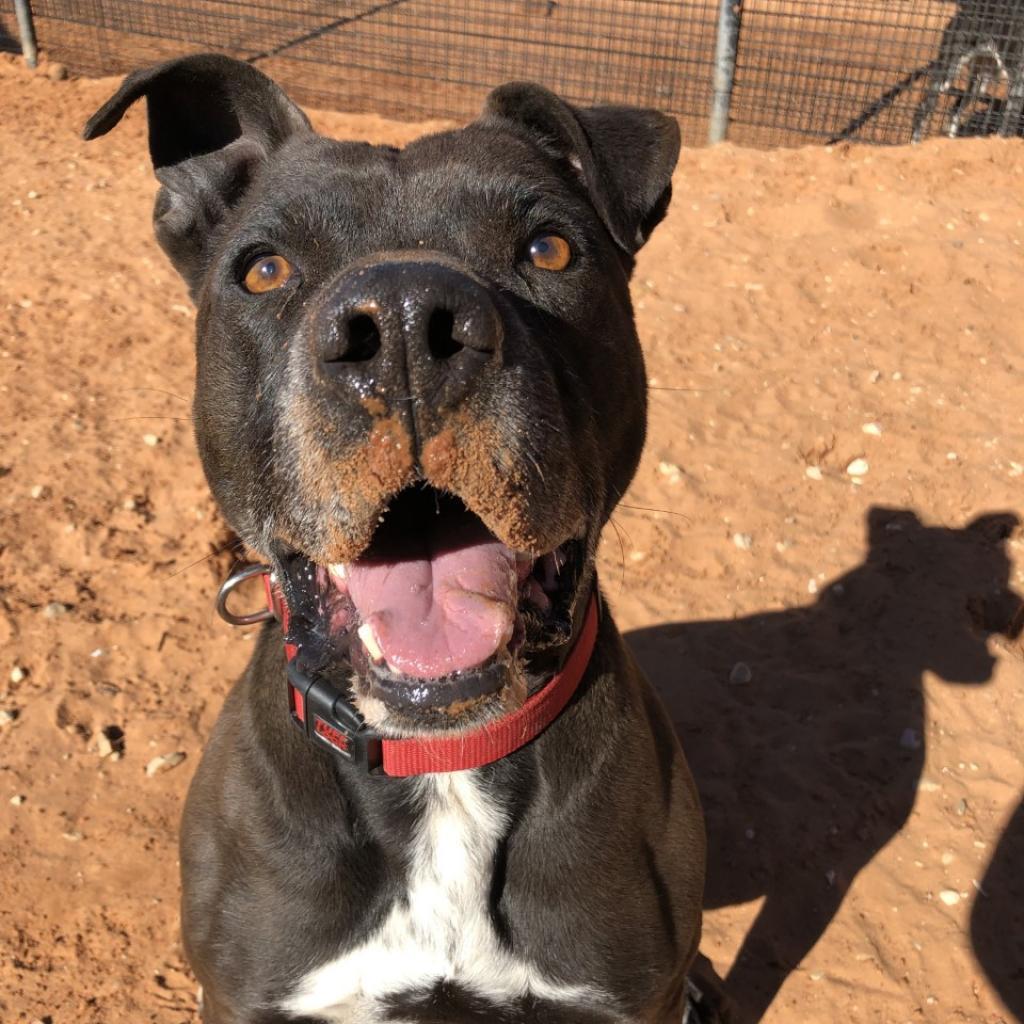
point(623, 155)
point(212, 121)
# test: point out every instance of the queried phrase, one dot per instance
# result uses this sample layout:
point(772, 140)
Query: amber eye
point(266, 274)
point(550, 252)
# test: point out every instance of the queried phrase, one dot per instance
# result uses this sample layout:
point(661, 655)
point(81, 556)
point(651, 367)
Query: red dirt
point(791, 298)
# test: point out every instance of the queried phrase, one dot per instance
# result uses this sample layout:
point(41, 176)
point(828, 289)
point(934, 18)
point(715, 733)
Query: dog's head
point(419, 388)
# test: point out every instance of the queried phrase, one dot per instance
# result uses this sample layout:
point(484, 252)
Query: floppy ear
point(624, 155)
point(212, 121)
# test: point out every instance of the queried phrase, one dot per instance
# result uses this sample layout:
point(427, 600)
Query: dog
point(985, 38)
point(442, 790)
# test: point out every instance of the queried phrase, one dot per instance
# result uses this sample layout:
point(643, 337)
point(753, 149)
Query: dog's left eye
point(550, 252)
point(267, 273)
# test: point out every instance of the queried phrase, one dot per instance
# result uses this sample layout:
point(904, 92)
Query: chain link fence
point(758, 72)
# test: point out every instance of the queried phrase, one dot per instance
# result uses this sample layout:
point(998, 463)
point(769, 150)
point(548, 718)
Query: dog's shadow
point(813, 764)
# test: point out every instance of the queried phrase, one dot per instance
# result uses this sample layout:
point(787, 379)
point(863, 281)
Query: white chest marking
point(443, 931)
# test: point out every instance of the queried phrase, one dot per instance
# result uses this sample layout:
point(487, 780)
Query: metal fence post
point(726, 41)
point(27, 32)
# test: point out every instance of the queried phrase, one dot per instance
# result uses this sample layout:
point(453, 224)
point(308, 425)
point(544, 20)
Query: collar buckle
point(324, 716)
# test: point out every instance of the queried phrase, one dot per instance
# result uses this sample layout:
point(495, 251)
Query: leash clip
point(247, 572)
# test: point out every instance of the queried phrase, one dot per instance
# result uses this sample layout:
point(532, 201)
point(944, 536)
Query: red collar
point(328, 719)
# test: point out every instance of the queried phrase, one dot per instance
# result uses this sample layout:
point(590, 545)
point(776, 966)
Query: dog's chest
point(441, 929)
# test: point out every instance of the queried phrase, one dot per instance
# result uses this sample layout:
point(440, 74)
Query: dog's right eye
point(266, 273)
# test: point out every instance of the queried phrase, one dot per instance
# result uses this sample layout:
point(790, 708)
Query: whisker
point(124, 419)
point(237, 543)
point(667, 511)
point(158, 391)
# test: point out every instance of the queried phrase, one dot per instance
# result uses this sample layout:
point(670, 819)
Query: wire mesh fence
point(805, 70)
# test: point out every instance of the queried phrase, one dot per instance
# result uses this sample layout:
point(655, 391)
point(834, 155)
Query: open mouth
point(437, 617)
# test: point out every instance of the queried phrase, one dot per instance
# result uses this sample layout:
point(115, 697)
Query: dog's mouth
point(437, 619)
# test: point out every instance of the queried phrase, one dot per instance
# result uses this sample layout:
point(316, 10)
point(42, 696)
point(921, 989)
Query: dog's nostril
point(361, 340)
point(441, 334)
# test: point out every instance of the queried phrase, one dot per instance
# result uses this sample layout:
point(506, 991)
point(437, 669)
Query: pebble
point(858, 467)
point(813, 473)
point(18, 673)
point(151, 439)
point(74, 836)
point(40, 491)
point(7, 716)
point(741, 673)
point(671, 471)
point(743, 541)
point(17, 800)
point(950, 897)
point(56, 72)
point(55, 609)
point(812, 586)
point(874, 429)
point(910, 740)
point(927, 786)
point(947, 858)
point(103, 745)
point(164, 763)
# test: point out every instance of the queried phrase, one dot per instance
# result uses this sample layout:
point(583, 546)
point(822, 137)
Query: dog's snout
point(431, 320)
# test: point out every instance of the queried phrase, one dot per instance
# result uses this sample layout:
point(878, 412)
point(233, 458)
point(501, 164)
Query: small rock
point(872, 429)
point(56, 72)
point(40, 491)
point(743, 541)
point(741, 673)
point(18, 673)
point(55, 609)
point(164, 763)
point(813, 473)
point(947, 858)
point(17, 800)
point(858, 467)
point(952, 456)
point(7, 716)
point(812, 586)
point(74, 836)
point(670, 471)
point(817, 975)
point(637, 556)
point(151, 439)
point(875, 376)
point(927, 786)
point(910, 740)
point(110, 742)
point(950, 897)
point(33, 194)
point(961, 807)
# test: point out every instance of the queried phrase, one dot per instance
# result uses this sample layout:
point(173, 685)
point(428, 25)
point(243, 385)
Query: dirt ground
point(825, 592)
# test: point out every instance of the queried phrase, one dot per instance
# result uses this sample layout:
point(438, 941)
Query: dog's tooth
point(369, 638)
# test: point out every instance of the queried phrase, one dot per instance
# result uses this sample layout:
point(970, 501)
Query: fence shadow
point(811, 766)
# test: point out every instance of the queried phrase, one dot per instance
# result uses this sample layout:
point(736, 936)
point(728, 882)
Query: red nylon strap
point(499, 738)
point(491, 742)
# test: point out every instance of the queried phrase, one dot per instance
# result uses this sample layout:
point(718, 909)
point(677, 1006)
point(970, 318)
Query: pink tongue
point(441, 603)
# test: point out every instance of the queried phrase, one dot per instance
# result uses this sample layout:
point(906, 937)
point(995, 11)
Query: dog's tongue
point(439, 602)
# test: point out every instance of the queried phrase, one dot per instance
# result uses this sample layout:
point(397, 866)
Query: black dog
point(985, 38)
point(420, 395)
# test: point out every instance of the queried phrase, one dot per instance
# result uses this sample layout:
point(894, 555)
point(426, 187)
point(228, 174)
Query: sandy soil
point(833, 646)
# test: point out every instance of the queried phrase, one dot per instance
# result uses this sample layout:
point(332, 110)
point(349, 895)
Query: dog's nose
point(431, 320)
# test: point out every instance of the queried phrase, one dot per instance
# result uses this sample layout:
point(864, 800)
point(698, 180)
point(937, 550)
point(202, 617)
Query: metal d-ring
point(245, 573)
